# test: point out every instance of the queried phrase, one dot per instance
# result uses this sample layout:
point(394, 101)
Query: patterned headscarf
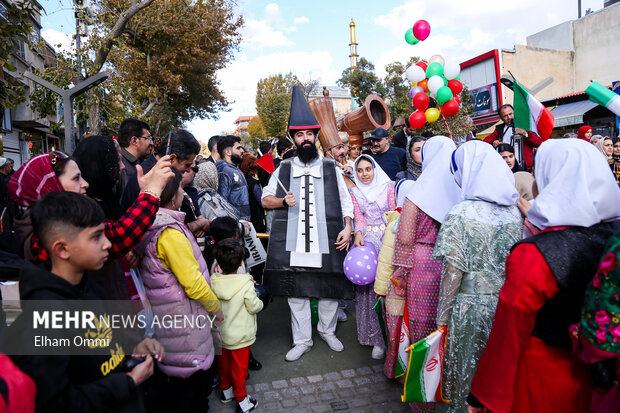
point(206, 177)
point(32, 180)
point(600, 315)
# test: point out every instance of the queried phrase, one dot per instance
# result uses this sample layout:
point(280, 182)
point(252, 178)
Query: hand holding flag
point(266, 162)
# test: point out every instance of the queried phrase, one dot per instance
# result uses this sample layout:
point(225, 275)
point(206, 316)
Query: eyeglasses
point(150, 138)
point(55, 155)
point(192, 168)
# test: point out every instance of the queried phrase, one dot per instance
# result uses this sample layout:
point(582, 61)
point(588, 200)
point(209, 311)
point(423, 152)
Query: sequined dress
point(414, 245)
point(369, 218)
point(473, 244)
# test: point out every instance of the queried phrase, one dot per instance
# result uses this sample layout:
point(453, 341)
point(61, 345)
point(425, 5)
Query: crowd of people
point(510, 243)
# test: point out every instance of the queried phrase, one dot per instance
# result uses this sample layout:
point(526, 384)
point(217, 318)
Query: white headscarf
point(575, 184)
point(435, 191)
point(373, 190)
point(483, 175)
point(401, 190)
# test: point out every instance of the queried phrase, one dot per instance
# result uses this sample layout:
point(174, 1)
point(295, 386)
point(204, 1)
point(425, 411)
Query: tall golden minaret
point(353, 56)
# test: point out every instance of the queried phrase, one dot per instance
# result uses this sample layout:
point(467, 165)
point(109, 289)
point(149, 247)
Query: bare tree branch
point(117, 30)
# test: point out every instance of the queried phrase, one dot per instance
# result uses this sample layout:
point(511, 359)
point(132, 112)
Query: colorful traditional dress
point(473, 244)
point(370, 220)
point(425, 207)
point(527, 365)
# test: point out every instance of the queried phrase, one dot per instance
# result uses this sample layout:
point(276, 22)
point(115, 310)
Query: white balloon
point(437, 58)
point(451, 70)
point(415, 73)
point(434, 83)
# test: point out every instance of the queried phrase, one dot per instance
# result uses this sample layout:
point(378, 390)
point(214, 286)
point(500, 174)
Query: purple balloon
point(360, 264)
point(415, 90)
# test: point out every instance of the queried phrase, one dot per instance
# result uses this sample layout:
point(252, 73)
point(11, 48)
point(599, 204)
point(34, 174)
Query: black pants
point(163, 393)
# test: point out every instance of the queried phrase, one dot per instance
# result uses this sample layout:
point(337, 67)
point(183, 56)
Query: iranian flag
point(599, 94)
point(530, 114)
point(402, 361)
point(423, 381)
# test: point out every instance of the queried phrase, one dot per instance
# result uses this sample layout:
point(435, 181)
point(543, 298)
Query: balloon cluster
point(434, 91)
point(418, 33)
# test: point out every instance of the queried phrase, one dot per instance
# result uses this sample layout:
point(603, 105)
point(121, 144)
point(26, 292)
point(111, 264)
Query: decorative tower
point(353, 56)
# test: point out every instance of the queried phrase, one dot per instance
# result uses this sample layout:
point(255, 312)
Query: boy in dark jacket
point(70, 227)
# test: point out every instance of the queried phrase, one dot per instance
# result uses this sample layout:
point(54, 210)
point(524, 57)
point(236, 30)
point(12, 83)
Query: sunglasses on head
point(55, 155)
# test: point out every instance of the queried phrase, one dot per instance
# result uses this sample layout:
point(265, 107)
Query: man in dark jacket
point(232, 184)
point(503, 134)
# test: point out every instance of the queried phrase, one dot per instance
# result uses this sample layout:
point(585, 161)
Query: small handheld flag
point(266, 162)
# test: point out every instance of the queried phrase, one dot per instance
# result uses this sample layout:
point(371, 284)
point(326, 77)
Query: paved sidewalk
point(321, 380)
point(364, 389)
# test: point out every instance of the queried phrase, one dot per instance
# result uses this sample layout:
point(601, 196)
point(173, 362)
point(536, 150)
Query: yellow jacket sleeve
point(175, 253)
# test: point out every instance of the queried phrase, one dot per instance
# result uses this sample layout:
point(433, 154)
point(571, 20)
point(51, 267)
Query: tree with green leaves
point(362, 81)
point(396, 88)
point(14, 29)
point(256, 128)
point(162, 58)
point(273, 102)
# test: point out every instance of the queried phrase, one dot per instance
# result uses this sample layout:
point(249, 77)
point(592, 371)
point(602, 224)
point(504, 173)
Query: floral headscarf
point(600, 316)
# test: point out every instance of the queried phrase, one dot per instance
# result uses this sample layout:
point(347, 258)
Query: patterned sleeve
point(392, 196)
point(126, 233)
point(405, 236)
point(359, 221)
point(451, 249)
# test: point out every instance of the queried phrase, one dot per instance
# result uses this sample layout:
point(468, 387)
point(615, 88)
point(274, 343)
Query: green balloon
point(444, 94)
point(410, 37)
point(445, 80)
point(433, 69)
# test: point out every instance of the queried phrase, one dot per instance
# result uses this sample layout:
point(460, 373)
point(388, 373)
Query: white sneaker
point(332, 341)
point(342, 316)
point(378, 352)
point(296, 352)
point(247, 405)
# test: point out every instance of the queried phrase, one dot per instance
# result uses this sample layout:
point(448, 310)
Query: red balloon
point(421, 30)
point(455, 86)
point(450, 108)
point(423, 65)
point(417, 119)
point(421, 101)
point(458, 99)
point(423, 84)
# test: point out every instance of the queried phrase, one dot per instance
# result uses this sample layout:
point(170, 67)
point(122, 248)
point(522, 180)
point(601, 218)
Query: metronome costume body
point(302, 260)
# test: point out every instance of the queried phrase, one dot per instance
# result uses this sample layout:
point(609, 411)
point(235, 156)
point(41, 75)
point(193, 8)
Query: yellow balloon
point(432, 114)
point(413, 84)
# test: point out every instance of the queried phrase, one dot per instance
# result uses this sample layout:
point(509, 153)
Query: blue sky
point(310, 38)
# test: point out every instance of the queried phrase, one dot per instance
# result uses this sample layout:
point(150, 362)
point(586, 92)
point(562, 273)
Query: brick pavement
point(364, 389)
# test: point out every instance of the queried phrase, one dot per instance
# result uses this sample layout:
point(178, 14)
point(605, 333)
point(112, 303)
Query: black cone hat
point(301, 116)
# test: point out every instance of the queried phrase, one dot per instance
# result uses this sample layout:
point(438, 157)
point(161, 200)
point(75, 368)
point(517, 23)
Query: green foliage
point(273, 102)
point(460, 124)
point(13, 31)
point(162, 62)
point(256, 128)
point(362, 81)
point(397, 89)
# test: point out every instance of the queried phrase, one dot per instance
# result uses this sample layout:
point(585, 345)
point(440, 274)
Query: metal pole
point(68, 95)
point(579, 9)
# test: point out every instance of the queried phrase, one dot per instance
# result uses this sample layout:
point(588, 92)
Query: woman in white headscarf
point(431, 197)
point(372, 196)
point(576, 207)
point(473, 243)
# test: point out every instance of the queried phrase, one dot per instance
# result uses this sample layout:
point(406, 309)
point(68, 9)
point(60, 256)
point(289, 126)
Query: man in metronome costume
point(310, 233)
